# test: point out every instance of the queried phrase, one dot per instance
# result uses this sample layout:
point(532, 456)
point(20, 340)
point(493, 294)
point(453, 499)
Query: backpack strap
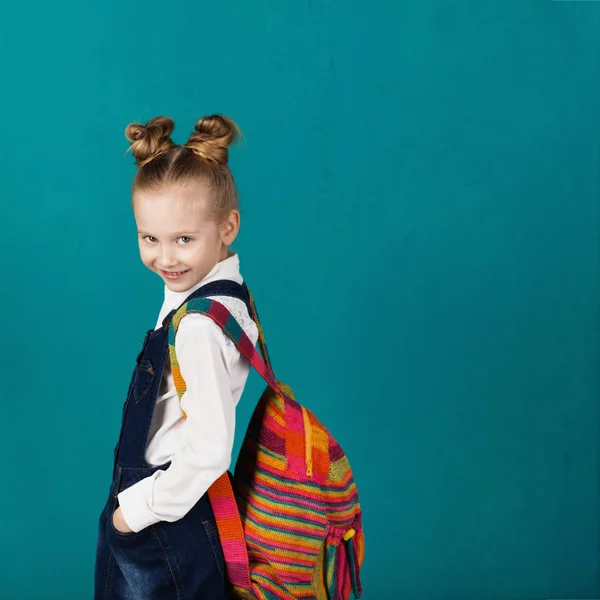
point(226, 287)
point(220, 493)
point(229, 325)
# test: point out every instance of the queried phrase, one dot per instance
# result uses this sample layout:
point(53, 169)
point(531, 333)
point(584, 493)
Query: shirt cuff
point(134, 505)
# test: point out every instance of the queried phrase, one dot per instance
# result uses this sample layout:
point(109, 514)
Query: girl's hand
point(119, 522)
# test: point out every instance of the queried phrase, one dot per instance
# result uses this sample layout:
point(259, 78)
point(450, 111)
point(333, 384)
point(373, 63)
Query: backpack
point(289, 518)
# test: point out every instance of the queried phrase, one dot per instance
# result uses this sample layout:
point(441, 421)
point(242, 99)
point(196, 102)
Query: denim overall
point(179, 560)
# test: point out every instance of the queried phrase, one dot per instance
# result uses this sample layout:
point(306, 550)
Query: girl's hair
point(201, 160)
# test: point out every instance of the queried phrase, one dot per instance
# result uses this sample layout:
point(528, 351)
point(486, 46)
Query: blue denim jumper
point(179, 560)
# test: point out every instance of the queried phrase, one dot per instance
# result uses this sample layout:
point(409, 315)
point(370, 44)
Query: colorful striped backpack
point(289, 518)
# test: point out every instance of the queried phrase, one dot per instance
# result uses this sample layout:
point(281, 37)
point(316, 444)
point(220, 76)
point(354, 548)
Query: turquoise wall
point(420, 185)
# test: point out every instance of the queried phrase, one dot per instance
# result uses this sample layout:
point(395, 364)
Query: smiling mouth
point(173, 274)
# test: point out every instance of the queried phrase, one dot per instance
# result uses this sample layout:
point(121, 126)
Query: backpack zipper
point(308, 440)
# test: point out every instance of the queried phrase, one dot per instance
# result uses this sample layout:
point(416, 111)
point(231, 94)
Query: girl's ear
point(230, 227)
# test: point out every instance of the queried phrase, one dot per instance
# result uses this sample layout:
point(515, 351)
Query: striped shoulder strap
point(227, 322)
point(220, 493)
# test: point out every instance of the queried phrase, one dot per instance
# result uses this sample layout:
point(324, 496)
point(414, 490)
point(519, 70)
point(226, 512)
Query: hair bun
point(149, 139)
point(212, 137)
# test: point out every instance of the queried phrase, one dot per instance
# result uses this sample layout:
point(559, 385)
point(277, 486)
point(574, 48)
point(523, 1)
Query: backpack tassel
point(342, 557)
point(351, 539)
point(331, 571)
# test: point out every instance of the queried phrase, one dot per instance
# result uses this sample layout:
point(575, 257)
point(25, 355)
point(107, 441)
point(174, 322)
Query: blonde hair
point(201, 160)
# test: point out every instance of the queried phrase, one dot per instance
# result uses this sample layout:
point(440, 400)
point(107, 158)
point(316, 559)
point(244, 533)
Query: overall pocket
point(129, 534)
point(144, 378)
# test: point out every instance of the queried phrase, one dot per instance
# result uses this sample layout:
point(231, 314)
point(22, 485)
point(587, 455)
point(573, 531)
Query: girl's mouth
point(173, 275)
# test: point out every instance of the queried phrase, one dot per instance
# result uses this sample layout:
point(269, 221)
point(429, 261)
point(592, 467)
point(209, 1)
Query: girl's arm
point(205, 454)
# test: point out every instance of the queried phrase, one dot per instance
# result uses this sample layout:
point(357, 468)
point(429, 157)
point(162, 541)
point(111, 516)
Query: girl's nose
point(166, 257)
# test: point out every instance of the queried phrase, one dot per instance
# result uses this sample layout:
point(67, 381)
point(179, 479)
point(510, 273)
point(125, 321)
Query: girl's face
point(175, 234)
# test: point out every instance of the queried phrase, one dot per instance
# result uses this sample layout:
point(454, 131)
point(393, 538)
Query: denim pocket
point(110, 511)
point(115, 530)
point(212, 533)
point(144, 377)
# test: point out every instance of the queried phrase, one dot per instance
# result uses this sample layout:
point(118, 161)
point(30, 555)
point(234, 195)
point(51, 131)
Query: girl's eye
point(186, 237)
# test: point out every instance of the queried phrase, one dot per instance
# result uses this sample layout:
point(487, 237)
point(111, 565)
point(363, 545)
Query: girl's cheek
point(147, 259)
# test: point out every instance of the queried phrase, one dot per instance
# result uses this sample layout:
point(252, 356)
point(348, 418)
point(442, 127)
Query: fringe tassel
point(343, 587)
point(354, 566)
point(331, 572)
point(343, 565)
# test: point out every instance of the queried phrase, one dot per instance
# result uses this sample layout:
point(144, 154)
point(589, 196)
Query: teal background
point(420, 186)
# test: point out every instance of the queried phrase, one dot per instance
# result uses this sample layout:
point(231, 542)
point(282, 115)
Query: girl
point(157, 533)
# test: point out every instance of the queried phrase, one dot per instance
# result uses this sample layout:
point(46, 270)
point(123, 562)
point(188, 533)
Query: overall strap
point(220, 493)
point(223, 287)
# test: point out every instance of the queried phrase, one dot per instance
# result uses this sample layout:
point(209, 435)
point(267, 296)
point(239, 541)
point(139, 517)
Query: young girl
point(157, 533)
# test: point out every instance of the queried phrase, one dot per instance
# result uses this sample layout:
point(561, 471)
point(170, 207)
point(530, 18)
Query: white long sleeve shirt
point(200, 447)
